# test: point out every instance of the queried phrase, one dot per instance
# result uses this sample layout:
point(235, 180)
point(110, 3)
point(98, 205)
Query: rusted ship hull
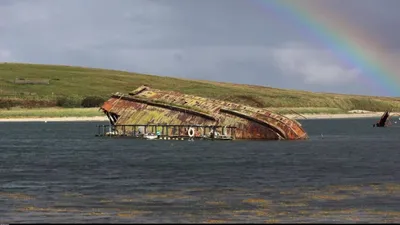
point(151, 106)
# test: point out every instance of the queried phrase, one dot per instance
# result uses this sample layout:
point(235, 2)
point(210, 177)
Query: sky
point(222, 40)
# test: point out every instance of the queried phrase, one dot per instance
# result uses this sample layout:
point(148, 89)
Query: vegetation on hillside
point(66, 86)
point(50, 112)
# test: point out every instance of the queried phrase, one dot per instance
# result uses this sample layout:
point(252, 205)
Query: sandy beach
point(55, 119)
point(104, 118)
point(335, 116)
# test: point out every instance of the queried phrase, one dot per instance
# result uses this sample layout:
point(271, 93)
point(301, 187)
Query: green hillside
point(32, 85)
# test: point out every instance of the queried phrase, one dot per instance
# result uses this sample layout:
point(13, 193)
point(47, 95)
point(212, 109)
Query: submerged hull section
point(151, 106)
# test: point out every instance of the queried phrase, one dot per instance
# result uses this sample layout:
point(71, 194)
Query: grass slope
point(81, 82)
point(50, 112)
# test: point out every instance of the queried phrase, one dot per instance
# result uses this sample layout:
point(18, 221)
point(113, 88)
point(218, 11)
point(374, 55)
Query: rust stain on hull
point(152, 106)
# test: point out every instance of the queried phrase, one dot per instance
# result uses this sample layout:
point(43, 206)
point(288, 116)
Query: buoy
point(191, 132)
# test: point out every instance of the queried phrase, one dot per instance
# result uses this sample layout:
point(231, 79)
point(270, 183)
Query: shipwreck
point(383, 121)
point(386, 119)
point(169, 115)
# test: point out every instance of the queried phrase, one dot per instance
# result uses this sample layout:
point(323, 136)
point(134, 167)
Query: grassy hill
point(32, 85)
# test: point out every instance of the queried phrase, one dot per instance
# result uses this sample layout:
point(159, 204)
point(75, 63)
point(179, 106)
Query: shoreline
point(56, 119)
point(105, 119)
point(335, 116)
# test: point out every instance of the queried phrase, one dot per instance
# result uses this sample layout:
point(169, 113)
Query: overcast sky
point(224, 40)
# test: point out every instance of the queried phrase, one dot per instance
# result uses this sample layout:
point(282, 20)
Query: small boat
point(150, 136)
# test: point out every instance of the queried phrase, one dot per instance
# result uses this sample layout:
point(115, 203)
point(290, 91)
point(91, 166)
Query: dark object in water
point(382, 121)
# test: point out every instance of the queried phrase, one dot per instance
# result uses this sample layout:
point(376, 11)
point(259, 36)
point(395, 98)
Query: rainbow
point(347, 43)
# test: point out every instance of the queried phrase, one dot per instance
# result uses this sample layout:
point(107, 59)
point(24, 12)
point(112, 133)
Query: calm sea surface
point(60, 172)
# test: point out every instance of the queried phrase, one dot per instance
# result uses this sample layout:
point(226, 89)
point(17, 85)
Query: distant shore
point(104, 118)
point(55, 119)
point(94, 114)
point(335, 116)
